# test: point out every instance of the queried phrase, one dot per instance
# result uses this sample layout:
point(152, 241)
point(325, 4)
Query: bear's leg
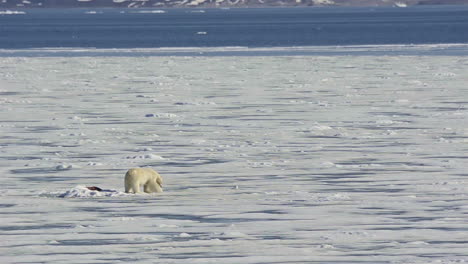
point(147, 187)
point(151, 187)
point(158, 188)
point(132, 188)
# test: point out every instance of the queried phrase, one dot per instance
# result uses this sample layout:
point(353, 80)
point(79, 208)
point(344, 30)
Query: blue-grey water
point(267, 27)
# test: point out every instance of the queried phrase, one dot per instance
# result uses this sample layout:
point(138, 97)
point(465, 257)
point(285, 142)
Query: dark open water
point(269, 27)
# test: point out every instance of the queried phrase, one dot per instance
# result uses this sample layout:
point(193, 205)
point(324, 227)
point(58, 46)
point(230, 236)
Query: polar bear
point(149, 178)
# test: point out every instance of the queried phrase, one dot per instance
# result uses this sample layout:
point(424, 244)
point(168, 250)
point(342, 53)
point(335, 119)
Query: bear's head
point(159, 180)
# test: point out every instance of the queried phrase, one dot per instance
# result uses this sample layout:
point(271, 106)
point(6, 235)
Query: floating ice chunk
point(11, 12)
point(77, 118)
point(418, 243)
point(153, 157)
point(92, 12)
point(328, 164)
point(150, 12)
point(400, 4)
point(198, 141)
point(84, 226)
point(321, 127)
point(385, 122)
point(401, 101)
point(167, 226)
point(323, 103)
point(184, 235)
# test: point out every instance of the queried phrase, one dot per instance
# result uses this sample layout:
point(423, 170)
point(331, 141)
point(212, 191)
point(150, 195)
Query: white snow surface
point(295, 159)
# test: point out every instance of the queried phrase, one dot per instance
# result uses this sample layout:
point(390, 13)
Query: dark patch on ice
point(122, 260)
point(22, 158)
point(187, 164)
point(118, 260)
point(99, 242)
point(35, 227)
point(394, 114)
point(436, 255)
point(34, 171)
point(418, 219)
point(99, 209)
point(344, 174)
point(202, 255)
point(44, 128)
point(7, 205)
point(9, 93)
point(275, 212)
point(196, 218)
point(448, 242)
point(114, 122)
point(446, 208)
point(437, 109)
point(456, 102)
point(382, 189)
point(221, 117)
point(88, 156)
point(387, 126)
point(390, 163)
point(380, 211)
point(323, 136)
point(47, 178)
point(412, 227)
point(272, 237)
point(447, 157)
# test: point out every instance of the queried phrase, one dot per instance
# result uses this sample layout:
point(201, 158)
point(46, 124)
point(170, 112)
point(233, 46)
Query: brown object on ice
point(94, 188)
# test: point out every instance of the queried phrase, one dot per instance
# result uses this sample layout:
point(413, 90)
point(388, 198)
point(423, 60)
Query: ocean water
point(265, 27)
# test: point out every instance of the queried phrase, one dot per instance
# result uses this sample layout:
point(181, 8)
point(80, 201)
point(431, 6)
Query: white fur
point(149, 178)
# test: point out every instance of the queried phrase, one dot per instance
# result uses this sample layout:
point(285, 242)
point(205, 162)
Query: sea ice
point(279, 159)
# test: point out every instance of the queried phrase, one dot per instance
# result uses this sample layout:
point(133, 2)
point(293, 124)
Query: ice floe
point(266, 159)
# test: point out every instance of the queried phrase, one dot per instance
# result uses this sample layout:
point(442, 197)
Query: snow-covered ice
point(278, 159)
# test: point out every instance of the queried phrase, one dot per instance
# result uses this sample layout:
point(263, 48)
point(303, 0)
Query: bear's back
point(141, 173)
